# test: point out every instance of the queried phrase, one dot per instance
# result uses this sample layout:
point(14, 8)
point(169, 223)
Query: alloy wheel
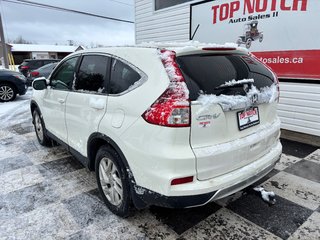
point(38, 126)
point(110, 181)
point(6, 93)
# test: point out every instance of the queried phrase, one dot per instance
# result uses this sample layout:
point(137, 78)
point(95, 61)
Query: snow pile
point(270, 93)
point(268, 197)
point(100, 90)
point(178, 90)
point(188, 44)
point(139, 190)
point(235, 82)
point(8, 110)
point(232, 102)
point(191, 45)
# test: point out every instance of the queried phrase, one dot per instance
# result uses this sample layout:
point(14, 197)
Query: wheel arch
point(95, 141)
point(33, 106)
point(10, 83)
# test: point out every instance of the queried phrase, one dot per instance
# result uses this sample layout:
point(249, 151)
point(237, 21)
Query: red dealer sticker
point(298, 64)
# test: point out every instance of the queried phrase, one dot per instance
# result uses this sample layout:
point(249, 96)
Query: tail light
point(34, 74)
point(25, 67)
point(172, 108)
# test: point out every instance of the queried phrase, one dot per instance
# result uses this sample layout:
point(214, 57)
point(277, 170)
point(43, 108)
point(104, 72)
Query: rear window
point(122, 77)
point(204, 73)
point(35, 64)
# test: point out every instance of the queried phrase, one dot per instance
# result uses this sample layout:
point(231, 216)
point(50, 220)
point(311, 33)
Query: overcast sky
point(46, 26)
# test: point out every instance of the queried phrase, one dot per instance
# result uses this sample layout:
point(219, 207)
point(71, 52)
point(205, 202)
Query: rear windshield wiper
point(233, 83)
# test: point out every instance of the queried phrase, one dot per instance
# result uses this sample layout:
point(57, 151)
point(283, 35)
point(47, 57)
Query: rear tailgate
point(233, 110)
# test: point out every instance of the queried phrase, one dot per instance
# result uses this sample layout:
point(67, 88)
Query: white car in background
point(163, 125)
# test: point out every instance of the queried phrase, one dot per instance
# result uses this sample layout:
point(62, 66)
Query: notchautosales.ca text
point(282, 60)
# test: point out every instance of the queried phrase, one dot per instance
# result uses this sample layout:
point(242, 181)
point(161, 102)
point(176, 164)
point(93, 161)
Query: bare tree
point(21, 40)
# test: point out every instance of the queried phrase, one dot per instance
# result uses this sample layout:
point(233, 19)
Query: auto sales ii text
point(227, 11)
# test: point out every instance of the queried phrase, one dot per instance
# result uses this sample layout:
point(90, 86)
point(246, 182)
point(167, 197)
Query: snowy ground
point(16, 107)
point(46, 194)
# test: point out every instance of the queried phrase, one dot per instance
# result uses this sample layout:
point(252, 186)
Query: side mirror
point(40, 83)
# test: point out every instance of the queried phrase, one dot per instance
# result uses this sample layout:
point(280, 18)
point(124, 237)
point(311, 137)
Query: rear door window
point(204, 73)
point(122, 77)
point(93, 73)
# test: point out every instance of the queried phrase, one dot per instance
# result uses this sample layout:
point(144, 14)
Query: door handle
point(97, 107)
point(61, 100)
point(97, 104)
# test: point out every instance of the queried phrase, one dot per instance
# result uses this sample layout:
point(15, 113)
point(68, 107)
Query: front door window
point(64, 77)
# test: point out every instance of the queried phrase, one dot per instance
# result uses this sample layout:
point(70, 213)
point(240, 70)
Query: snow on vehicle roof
point(178, 47)
point(191, 46)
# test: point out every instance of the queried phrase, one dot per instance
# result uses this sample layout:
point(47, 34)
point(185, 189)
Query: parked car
point(32, 64)
point(11, 84)
point(168, 126)
point(43, 71)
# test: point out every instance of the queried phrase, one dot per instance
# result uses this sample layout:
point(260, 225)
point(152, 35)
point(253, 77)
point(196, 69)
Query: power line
point(131, 5)
point(46, 6)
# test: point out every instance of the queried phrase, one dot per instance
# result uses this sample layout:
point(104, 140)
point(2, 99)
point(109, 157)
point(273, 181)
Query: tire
point(40, 128)
point(113, 182)
point(7, 92)
point(248, 43)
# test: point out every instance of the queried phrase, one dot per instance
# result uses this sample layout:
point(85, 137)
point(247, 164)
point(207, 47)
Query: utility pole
point(3, 45)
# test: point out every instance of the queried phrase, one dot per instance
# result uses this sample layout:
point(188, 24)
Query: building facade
point(176, 21)
point(38, 51)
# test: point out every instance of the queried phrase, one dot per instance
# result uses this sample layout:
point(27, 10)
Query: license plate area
point(248, 118)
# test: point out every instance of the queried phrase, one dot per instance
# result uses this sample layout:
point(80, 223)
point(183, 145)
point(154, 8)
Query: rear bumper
point(216, 160)
point(150, 198)
point(203, 192)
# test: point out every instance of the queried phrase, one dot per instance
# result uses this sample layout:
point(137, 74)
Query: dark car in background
point(11, 84)
point(43, 71)
point(32, 64)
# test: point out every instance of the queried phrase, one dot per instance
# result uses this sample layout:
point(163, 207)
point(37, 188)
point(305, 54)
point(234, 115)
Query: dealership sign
point(282, 33)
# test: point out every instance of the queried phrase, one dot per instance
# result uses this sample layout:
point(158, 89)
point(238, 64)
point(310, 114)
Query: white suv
point(167, 126)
